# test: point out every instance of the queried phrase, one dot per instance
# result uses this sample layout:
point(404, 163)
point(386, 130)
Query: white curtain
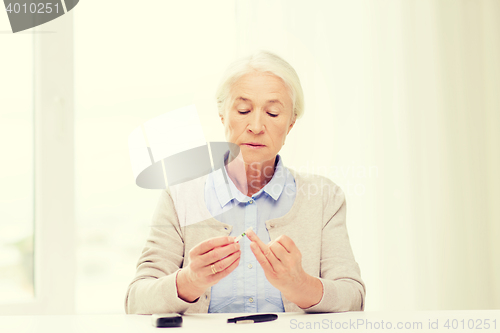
point(402, 111)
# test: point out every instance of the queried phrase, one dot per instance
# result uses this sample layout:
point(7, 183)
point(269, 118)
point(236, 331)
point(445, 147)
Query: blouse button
point(250, 300)
point(251, 201)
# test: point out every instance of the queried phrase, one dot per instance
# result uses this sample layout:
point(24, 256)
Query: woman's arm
point(160, 286)
point(307, 294)
point(343, 288)
point(339, 287)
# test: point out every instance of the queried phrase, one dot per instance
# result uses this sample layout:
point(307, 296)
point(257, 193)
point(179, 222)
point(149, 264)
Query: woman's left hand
point(281, 261)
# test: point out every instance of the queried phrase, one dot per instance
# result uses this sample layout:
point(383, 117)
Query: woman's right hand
point(220, 253)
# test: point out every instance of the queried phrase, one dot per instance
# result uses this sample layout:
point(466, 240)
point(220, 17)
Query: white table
point(294, 322)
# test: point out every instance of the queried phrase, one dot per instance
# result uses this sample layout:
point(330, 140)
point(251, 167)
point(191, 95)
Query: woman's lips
point(254, 145)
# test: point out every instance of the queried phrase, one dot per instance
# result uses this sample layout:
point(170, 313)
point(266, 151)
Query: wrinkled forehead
point(259, 88)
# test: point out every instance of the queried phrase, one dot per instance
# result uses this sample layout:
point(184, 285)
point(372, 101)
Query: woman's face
point(258, 117)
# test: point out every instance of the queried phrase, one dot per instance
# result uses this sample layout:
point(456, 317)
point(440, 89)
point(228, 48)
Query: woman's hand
point(281, 261)
point(209, 262)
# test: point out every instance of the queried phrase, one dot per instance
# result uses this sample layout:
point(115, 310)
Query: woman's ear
point(291, 125)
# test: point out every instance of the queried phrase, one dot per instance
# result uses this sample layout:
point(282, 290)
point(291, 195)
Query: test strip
point(237, 239)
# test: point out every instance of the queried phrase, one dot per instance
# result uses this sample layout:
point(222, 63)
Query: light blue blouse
point(246, 289)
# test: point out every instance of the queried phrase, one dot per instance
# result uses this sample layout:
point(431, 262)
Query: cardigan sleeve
point(154, 289)
point(343, 288)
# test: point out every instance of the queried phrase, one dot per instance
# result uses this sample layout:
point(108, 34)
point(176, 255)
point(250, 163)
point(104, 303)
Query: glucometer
point(166, 320)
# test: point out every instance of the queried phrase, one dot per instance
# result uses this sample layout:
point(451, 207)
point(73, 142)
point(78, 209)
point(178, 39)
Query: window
point(16, 165)
point(37, 261)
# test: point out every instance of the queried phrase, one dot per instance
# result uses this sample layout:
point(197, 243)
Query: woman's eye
point(272, 114)
point(243, 111)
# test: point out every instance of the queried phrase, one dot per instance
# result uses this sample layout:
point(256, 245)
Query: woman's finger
point(261, 258)
point(218, 253)
point(222, 264)
point(287, 243)
point(210, 244)
point(254, 238)
point(271, 257)
point(220, 275)
point(264, 248)
point(279, 251)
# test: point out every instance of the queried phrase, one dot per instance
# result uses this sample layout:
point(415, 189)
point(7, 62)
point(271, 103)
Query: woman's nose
point(256, 122)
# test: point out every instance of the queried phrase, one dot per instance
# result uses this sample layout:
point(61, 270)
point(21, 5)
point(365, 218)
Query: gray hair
point(266, 62)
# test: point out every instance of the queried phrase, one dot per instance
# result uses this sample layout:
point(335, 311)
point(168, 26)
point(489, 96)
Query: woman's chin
point(256, 158)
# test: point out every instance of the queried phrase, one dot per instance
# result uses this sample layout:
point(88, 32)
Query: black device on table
point(167, 320)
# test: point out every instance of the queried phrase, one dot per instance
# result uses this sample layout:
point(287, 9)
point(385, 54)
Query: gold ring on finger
point(214, 270)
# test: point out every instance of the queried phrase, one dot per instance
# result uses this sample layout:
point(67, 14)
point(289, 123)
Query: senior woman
point(298, 256)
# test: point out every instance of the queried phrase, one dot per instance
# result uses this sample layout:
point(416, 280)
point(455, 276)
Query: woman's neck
point(250, 178)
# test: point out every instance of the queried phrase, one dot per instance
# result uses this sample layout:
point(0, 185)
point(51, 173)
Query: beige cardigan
point(316, 223)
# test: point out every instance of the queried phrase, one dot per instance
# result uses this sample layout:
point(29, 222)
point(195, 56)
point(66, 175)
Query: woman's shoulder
point(312, 178)
point(313, 185)
point(182, 194)
point(187, 188)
